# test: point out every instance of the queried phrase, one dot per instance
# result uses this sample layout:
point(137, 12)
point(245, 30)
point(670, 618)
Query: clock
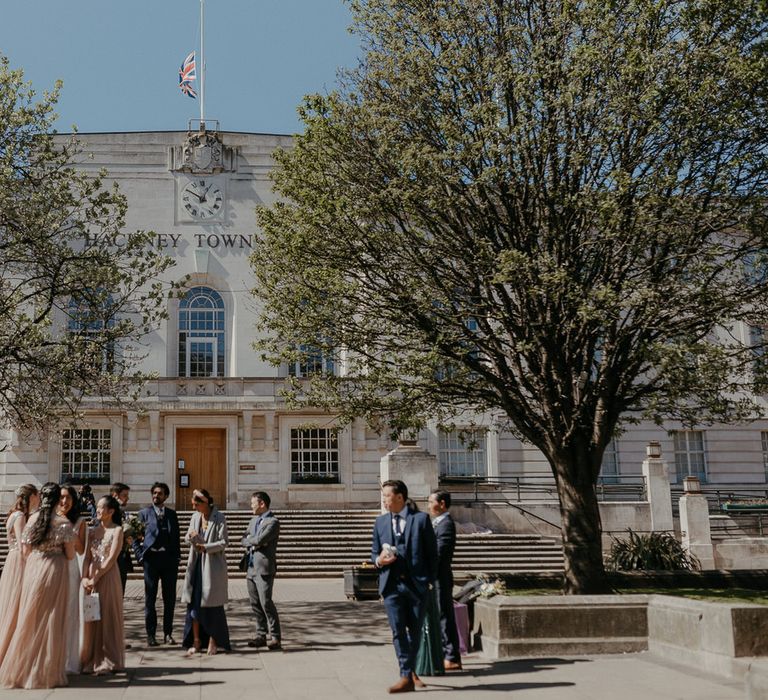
point(202, 199)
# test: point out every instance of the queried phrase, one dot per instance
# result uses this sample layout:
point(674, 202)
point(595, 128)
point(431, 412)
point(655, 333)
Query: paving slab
point(339, 649)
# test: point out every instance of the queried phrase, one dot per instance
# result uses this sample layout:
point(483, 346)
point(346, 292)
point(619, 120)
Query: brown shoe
point(417, 682)
point(404, 685)
point(452, 665)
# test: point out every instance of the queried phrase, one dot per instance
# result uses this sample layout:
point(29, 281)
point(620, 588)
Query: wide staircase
point(322, 543)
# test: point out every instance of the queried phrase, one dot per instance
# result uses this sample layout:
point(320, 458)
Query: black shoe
point(257, 642)
point(169, 640)
point(274, 644)
point(151, 641)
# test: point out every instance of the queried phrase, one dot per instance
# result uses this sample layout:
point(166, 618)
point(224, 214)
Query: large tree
point(551, 210)
point(76, 294)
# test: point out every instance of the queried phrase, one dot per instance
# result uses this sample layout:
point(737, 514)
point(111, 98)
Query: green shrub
point(654, 551)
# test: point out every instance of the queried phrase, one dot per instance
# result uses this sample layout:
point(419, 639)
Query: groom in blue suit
point(405, 549)
point(159, 553)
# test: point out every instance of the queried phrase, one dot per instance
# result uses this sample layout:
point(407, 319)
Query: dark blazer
point(151, 532)
point(420, 549)
point(261, 542)
point(445, 531)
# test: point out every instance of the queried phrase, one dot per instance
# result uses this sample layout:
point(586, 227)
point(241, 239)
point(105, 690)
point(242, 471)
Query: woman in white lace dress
point(68, 508)
point(27, 500)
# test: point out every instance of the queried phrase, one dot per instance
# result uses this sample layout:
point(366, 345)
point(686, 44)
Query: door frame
point(228, 423)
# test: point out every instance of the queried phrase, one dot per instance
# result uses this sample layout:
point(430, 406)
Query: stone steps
point(322, 543)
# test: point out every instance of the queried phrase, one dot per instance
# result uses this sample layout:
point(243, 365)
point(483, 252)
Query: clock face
point(202, 199)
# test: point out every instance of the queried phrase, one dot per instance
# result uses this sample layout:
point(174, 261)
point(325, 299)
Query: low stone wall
point(741, 553)
point(724, 638)
point(509, 626)
point(715, 636)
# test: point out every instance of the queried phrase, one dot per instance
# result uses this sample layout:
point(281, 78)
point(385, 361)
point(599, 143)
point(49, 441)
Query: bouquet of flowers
point(134, 528)
point(489, 588)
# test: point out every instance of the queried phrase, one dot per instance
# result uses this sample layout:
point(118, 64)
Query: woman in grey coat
point(205, 585)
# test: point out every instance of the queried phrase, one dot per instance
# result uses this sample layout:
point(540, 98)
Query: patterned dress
point(104, 640)
point(37, 652)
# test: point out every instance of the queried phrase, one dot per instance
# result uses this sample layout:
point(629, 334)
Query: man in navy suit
point(405, 549)
point(438, 504)
point(159, 554)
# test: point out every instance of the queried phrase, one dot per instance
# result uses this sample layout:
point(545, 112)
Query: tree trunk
point(582, 532)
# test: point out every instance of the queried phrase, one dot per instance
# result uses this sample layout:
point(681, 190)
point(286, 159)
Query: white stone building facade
point(214, 417)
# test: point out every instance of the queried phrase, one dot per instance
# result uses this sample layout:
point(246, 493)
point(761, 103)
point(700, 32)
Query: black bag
point(242, 565)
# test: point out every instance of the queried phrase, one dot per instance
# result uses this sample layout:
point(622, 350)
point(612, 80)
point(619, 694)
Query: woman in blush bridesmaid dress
point(103, 648)
point(27, 500)
point(37, 653)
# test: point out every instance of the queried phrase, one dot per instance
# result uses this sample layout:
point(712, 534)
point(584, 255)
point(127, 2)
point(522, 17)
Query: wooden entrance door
point(204, 451)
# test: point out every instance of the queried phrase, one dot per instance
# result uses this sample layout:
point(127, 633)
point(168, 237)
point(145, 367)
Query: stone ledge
point(541, 625)
point(729, 639)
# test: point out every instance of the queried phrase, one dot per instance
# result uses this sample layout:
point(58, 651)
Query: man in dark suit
point(261, 543)
point(121, 492)
point(159, 554)
point(405, 549)
point(438, 504)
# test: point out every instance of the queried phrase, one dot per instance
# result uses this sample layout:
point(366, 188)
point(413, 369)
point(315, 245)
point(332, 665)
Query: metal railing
point(719, 494)
point(538, 486)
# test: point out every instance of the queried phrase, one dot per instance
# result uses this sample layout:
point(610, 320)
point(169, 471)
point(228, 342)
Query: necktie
point(398, 526)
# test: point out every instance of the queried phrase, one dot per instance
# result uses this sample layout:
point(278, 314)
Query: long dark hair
point(74, 512)
point(117, 514)
point(49, 499)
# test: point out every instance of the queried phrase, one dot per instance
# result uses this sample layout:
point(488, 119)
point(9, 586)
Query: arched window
point(201, 333)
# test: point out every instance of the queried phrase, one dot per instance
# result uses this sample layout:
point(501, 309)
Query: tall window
point(201, 333)
point(314, 455)
point(764, 439)
point(609, 469)
point(462, 453)
point(312, 360)
point(93, 325)
point(86, 455)
point(690, 454)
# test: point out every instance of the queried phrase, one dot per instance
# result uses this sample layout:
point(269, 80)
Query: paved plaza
point(340, 649)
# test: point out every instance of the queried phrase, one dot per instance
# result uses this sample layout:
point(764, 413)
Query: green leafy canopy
point(542, 211)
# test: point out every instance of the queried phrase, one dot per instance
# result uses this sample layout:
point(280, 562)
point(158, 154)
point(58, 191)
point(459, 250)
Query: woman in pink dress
point(103, 647)
point(37, 652)
point(27, 500)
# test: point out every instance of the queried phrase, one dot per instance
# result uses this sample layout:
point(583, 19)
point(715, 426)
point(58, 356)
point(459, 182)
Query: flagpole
point(202, 64)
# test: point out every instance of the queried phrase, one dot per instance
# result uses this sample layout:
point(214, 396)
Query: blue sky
point(119, 60)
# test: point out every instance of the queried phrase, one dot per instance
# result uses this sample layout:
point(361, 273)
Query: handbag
point(91, 607)
point(242, 565)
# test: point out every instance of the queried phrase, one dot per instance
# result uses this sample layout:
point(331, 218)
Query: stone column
point(657, 488)
point(694, 523)
point(413, 465)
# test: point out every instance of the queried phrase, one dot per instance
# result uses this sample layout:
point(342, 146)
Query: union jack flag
point(187, 75)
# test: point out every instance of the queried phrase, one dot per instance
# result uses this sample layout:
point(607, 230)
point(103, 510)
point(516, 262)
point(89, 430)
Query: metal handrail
point(543, 485)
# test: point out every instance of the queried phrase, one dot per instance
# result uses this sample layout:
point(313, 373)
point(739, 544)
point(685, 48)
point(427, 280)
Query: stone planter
point(361, 583)
point(512, 626)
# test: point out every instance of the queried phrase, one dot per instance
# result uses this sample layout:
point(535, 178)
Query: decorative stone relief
point(154, 430)
point(203, 153)
point(131, 423)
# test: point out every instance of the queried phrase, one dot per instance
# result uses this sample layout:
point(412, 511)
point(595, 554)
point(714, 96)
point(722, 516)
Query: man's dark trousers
point(445, 532)
point(159, 569)
point(405, 611)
